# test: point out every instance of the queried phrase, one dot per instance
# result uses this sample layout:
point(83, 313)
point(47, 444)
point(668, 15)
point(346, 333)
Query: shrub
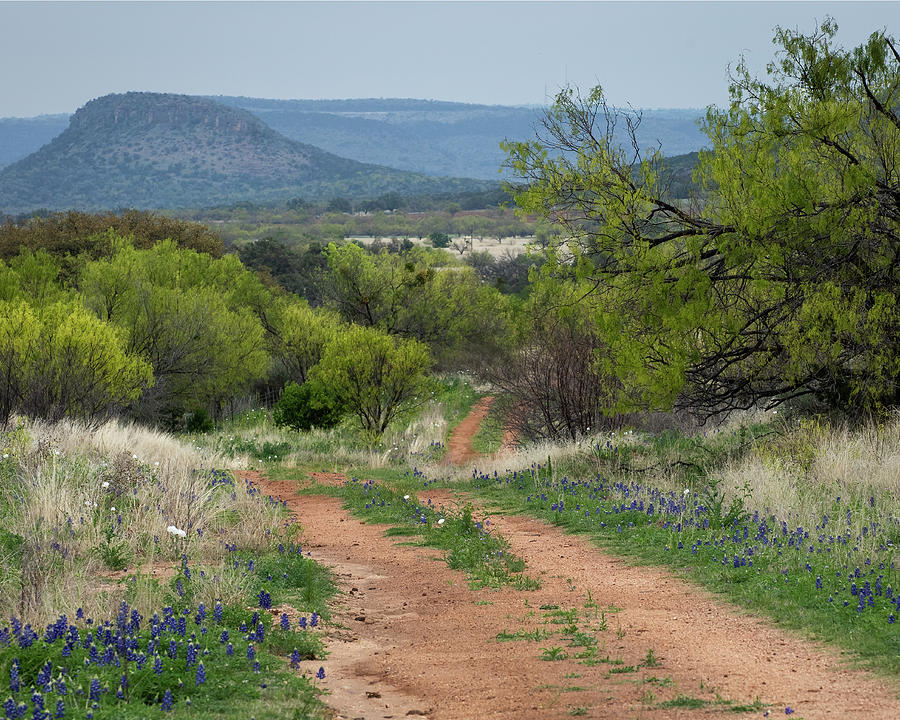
point(309, 405)
point(439, 240)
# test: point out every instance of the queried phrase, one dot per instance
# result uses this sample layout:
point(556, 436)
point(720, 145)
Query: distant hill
point(150, 150)
point(438, 138)
point(19, 137)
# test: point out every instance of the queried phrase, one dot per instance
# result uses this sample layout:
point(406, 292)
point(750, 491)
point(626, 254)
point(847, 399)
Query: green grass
point(684, 701)
point(535, 635)
point(489, 437)
point(752, 559)
point(457, 397)
point(466, 542)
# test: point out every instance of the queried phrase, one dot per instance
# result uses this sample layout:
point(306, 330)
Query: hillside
point(19, 137)
point(150, 150)
point(438, 138)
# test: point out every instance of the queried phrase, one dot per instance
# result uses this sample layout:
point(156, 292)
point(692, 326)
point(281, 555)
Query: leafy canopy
point(373, 374)
point(780, 277)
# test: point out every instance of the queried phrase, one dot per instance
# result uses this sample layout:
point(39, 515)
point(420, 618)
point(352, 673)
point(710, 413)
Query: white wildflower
point(105, 485)
point(175, 531)
point(441, 521)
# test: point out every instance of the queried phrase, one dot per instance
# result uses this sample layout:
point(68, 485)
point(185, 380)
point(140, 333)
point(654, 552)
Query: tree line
point(776, 282)
point(168, 332)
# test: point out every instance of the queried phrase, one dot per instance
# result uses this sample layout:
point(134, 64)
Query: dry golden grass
point(79, 503)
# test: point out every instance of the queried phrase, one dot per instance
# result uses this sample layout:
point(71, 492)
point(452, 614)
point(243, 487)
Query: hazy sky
point(55, 56)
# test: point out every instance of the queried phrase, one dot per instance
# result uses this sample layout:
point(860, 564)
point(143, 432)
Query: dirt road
point(410, 638)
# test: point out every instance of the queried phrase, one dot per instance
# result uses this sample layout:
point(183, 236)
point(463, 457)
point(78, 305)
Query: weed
point(553, 653)
point(651, 660)
point(616, 669)
point(534, 635)
point(660, 682)
point(684, 701)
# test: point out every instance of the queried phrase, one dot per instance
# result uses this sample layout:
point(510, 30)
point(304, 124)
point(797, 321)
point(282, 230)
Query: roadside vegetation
point(140, 578)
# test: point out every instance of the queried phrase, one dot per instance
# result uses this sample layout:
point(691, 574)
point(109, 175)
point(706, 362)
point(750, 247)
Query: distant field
point(494, 246)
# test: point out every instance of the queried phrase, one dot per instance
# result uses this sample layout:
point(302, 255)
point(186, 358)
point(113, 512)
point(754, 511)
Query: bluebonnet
point(14, 676)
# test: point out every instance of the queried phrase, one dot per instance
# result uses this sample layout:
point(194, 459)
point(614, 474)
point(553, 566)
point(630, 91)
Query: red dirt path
point(410, 638)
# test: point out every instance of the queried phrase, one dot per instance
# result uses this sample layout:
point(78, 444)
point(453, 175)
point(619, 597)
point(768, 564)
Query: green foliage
point(60, 360)
point(198, 421)
point(297, 270)
point(312, 404)
point(783, 281)
point(408, 295)
point(439, 239)
point(374, 374)
point(72, 234)
point(182, 311)
point(300, 335)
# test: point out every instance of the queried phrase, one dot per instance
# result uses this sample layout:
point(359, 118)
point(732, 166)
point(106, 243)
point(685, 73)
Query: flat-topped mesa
point(154, 150)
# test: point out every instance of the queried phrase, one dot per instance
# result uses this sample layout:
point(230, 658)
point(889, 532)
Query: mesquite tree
point(780, 277)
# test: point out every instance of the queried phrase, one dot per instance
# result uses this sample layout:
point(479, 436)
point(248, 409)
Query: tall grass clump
point(811, 469)
point(83, 507)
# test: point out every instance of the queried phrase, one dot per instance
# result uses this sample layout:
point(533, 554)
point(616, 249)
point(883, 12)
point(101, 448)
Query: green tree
point(374, 374)
point(339, 205)
point(782, 279)
point(184, 312)
point(61, 361)
point(439, 239)
point(302, 336)
point(407, 294)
